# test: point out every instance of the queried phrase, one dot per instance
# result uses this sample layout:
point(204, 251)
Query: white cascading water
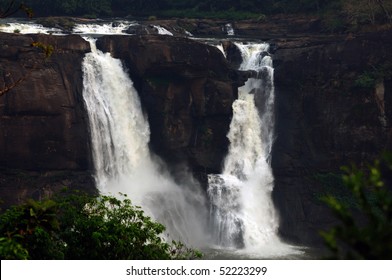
point(242, 213)
point(162, 31)
point(28, 28)
point(229, 29)
point(107, 28)
point(123, 163)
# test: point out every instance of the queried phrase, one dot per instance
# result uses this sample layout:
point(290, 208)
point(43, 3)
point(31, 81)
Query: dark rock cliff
point(43, 133)
point(333, 108)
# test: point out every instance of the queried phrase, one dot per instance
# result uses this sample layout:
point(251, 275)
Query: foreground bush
point(84, 227)
point(365, 230)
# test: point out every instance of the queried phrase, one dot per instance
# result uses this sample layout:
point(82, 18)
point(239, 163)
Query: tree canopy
point(79, 226)
point(353, 11)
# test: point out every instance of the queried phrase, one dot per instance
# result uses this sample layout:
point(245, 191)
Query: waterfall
point(123, 162)
point(229, 29)
point(162, 31)
point(27, 28)
point(242, 214)
point(107, 28)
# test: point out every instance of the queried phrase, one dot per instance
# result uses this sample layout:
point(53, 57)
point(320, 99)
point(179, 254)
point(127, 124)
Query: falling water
point(123, 162)
point(229, 29)
point(106, 28)
point(162, 31)
point(242, 213)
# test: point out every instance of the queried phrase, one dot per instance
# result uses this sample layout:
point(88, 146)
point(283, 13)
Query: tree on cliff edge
point(10, 8)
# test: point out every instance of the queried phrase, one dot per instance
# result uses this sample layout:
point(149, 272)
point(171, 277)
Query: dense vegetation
point(80, 226)
point(370, 11)
point(365, 228)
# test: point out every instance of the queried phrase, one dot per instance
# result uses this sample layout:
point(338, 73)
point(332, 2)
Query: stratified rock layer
point(42, 120)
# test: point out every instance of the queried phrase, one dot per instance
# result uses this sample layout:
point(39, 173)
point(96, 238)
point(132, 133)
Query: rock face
point(42, 123)
point(333, 104)
point(187, 89)
point(264, 28)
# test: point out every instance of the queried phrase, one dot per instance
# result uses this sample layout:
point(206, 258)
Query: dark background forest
point(370, 11)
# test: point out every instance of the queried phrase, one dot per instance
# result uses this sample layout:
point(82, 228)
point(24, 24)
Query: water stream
point(242, 214)
point(123, 162)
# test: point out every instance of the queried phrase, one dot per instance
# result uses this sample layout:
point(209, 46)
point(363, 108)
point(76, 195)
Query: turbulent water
point(123, 163)
point(27, 28)
point(229, 29)
point(96, 28)
point(104, 28)
point(242, 214)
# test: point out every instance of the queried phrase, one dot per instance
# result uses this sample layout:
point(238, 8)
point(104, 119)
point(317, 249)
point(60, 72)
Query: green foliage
point(337, 15)
point(34, 227)
point(206, 135)
point(369, 78)
point(10, 249)
point(333, 185)
point(9, 8)
point(80, 226)
point(364, 232)
point(366, 80)
point(65, 23)
point(47, 49)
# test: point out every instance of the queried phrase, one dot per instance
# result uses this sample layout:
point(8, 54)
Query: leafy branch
point(364, 232)
point(12, 8)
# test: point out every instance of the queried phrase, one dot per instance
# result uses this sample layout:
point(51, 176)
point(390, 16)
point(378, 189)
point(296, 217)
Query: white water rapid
point(123, 163)
point(27, 28)
point(104, 28)
point(242, 214)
